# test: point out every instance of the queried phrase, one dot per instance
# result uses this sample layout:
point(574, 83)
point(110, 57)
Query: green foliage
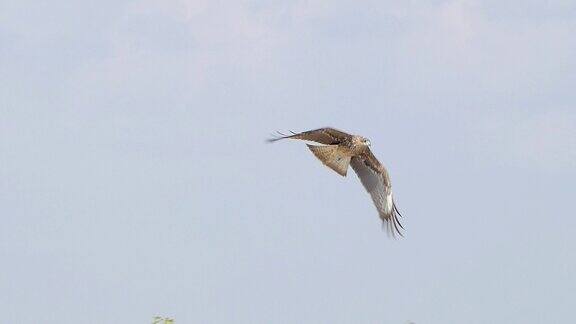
point(162, 320)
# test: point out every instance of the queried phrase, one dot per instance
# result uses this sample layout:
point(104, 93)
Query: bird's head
point(360, 142)
point(365, 141)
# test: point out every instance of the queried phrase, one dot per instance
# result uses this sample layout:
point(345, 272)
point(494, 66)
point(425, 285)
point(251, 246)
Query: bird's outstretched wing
point(375, 179)
point(326, 135)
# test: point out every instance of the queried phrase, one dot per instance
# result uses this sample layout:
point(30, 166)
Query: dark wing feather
point(376, 180)
point(327, 135)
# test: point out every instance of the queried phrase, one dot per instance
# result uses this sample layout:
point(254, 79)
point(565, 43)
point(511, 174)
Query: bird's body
point(340, 150)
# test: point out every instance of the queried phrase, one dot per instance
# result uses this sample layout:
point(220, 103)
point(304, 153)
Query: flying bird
point(339, 150)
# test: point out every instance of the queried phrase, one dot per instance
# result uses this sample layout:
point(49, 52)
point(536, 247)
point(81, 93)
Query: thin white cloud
point(545, 141)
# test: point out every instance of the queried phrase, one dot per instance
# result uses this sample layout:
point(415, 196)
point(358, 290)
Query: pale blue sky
point(134, 178)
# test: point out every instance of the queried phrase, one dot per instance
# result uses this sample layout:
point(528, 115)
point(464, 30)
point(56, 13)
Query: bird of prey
point(341, 149)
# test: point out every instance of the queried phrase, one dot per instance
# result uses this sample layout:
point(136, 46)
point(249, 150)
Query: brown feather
point(327, 135)
point(333, 156)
